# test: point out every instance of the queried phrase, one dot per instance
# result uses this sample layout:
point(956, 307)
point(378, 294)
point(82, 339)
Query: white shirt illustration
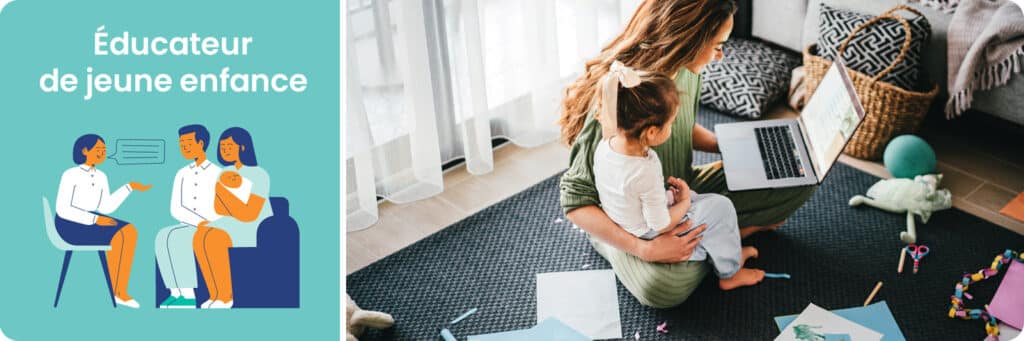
point(84, 190)
point(193, 194)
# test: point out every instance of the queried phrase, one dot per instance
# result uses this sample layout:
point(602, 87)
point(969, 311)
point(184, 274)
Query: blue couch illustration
point(265, 276)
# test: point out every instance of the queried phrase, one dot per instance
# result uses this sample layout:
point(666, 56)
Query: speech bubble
point(4, 337)
point(138, 152)
point(4, 3)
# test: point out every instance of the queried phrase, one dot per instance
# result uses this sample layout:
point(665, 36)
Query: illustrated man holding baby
point(216, 209)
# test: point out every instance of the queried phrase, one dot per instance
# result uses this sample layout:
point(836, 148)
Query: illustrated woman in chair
point(83, 203)
point(242, 194)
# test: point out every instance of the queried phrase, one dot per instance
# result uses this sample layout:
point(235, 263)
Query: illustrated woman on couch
point(83, 202)
point(242, 194)
point(678, 38)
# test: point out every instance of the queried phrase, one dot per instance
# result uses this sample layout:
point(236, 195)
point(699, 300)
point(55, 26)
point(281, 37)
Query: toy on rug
point(957, 309)
point(920, 196)
point(907, 156)
point(357, 319)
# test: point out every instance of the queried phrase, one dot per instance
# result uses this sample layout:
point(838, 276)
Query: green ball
point(908, 156)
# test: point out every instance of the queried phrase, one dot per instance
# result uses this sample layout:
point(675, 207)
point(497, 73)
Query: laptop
point(796, 151)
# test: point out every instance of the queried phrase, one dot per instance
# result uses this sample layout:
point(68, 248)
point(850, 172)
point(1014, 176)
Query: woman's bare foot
point(749, 230)
point(746, 253)
point(742, 278)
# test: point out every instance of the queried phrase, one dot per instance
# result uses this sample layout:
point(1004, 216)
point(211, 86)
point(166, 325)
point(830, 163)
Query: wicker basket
point(889, 109)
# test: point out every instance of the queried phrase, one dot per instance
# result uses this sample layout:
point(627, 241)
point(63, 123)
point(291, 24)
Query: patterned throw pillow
point(750, 77)
point(874, 48)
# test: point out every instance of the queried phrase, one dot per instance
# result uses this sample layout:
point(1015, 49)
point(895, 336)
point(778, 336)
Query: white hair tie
point(618, 73)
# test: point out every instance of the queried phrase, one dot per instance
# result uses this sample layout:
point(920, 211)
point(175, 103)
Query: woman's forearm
point(593, 220)
point(251, 210)
point(243, 211)
point(704, 140)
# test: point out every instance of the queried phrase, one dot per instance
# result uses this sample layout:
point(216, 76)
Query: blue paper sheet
point(514, 335)
point(876, 316)
point(553, 329)
point(549, 329)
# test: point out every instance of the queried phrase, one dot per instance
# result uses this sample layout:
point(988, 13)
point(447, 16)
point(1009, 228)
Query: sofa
point(265, 276)
point(773, 21)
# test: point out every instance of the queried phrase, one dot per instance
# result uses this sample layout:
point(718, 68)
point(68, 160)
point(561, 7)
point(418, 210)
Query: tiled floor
point(982, 174)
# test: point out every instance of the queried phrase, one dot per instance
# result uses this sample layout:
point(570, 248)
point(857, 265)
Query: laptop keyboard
point(778, 152)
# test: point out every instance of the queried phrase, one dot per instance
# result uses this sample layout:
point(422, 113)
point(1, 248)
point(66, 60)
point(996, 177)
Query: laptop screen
point(830, 118)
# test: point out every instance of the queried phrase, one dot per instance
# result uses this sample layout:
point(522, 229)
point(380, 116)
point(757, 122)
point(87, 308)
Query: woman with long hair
point(673, 37)
point(242, 215)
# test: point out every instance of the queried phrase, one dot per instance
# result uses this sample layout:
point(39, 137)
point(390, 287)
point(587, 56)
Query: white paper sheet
point(1008, 333)
point(587, 301)
point(823, 323)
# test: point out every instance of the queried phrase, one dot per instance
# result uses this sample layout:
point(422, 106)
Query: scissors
point(917, 252)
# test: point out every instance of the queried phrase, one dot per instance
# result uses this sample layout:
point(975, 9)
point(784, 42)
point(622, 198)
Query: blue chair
point(265, 276)
point(60, 244)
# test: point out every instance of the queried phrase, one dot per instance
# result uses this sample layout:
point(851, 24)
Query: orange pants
point(119, 259)
point(210, 245)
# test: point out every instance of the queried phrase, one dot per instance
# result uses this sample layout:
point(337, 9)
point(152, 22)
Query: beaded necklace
point(957, 310)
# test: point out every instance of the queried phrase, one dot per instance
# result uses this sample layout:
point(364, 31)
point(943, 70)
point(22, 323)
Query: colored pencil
point(873, 292)
point(903, 258)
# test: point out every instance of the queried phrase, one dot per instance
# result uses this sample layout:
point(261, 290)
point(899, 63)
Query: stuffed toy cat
point(920, 196)
point(357, 319)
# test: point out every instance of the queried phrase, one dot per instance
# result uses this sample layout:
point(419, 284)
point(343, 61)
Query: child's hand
point(680, 190)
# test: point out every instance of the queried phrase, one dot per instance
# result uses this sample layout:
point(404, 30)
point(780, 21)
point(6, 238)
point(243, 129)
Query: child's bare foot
point(749, 230)
point(747, 252)
point(742, 278)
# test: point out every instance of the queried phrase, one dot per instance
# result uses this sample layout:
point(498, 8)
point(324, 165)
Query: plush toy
point(357, 319)
point(920, 196)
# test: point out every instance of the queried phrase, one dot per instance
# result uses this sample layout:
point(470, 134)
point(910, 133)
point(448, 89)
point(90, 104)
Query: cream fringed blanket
point(985, 49)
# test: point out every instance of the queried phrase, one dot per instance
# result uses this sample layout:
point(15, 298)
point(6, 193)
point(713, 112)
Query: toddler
point(628, 175)
point(237, 185)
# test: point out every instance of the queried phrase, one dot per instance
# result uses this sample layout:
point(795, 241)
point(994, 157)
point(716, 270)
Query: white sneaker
point(222, 305)
point(132, 303)
point(206, 305)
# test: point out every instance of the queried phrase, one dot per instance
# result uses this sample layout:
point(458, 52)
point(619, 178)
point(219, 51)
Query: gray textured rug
point(835, 254)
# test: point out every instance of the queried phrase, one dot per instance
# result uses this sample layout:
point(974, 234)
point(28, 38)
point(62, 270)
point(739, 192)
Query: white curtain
point(431, 81)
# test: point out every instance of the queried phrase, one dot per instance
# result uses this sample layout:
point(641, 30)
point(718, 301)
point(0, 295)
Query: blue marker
point(771, 275)
point(464, 315)
point(447, 335)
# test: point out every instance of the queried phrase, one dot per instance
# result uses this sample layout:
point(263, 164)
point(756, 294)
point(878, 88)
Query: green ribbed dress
point(666, 285)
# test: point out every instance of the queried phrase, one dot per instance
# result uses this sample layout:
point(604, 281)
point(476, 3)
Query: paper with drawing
point(817, 324)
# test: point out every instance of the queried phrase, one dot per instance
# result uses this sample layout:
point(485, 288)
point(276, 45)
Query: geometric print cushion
point(875, 47)
point(749, 78)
